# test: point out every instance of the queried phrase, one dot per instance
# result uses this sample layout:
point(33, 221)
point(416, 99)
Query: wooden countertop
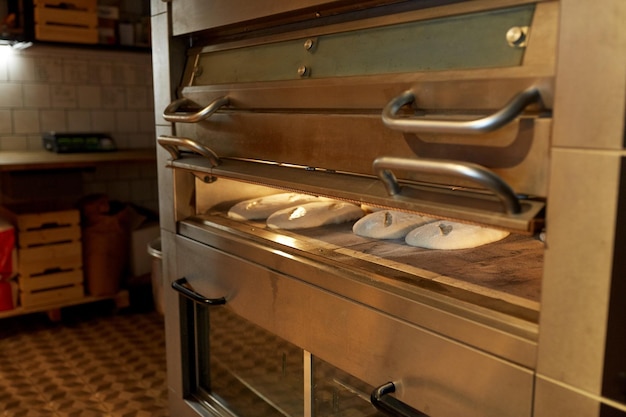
point(36, 160)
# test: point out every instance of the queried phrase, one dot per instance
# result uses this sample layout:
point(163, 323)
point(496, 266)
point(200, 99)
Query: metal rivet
point(517, 36)
point(303, 71)
point(308, 44)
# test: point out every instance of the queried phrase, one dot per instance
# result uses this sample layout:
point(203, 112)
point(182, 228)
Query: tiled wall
point(46, 88)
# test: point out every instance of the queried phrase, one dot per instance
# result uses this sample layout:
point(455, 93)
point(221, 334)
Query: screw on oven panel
point(308, 44)
point(517, 36)
point(303, 71)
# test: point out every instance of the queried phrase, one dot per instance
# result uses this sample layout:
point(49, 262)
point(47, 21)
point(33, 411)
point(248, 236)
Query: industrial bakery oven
point(456, 110)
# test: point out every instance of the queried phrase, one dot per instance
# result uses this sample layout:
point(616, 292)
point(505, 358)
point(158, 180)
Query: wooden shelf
point(41, 160)
point(121, 300)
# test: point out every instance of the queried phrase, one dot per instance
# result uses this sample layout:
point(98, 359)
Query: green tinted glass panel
point(469, 41)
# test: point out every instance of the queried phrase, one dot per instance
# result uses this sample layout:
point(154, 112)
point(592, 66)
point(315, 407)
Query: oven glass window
point(246, 369)
point(338, 394)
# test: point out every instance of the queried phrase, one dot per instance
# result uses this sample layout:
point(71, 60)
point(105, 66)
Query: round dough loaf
point(450, 235)
point(314, 214)
point(260, 208)
point(388, 224)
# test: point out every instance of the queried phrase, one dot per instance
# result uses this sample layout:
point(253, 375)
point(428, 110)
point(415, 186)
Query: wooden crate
point(49, 255)
point(51, 296)
point(73, 21)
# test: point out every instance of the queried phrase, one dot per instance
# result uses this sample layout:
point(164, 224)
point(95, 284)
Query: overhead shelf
point(38, 160)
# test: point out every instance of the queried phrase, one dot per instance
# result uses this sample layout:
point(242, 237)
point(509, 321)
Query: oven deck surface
point(508, 270)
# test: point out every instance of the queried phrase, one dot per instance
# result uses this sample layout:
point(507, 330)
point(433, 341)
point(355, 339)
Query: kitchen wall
point(45, 88)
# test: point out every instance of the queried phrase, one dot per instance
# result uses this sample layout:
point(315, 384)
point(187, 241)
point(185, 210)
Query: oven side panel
point(167, 62)
point(579, 335)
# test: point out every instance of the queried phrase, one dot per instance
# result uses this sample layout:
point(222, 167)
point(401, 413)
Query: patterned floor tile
point(92, 365)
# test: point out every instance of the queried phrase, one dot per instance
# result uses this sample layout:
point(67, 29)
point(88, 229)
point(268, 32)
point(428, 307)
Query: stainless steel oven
point(481, 112)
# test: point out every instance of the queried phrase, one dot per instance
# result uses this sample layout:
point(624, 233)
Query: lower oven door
point(242, 369)
point(266, 343)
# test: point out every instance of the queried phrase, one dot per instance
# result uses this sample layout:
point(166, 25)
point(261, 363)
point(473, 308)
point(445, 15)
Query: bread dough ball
point(450, 235)
point(388, 224)
point(314, 214)
point(260, 208)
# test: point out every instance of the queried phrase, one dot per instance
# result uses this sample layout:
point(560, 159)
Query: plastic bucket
point(154, 250)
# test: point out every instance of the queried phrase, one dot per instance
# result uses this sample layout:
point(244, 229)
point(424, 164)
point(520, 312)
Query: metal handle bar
point(179, 286)
point(494, 121)
point(464, 170)
point(390, 405)
point(171, 113)
point(171, 144)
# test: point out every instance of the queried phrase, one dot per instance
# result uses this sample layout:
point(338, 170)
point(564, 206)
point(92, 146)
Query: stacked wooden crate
point(49, 257)
point(74, 21)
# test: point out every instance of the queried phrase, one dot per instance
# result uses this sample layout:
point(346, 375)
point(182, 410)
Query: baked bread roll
point(260, 208)
point(388, 224)
point(450, 235)
point(314, 214)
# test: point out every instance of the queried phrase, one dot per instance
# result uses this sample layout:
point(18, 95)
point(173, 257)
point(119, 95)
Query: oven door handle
point(172, 143)
point(489, 123)
point(180, 286)
point(390, 405)
point(171, 113)
point(464, 170)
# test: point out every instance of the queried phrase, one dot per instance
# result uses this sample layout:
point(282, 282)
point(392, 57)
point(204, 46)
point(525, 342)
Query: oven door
point(239, 368)
point(257, 339)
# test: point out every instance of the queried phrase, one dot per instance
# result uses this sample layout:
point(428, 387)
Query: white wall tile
point(130, 172)
point(63, 96)
point(13, 143)
point(89, 97)
point(143, 140)
point(142, 189)
point(11, 95)
point(146, 121)
point(138, 97)
point(48, 69)
point(127, 121)
point(21, 68)
point(36, 95)
point(79, 120)
point(103, 121)
point(94, 188)
point(52, 121)
point(34, 143)
point(106, 173)
point(6, 124)
point(76, 72)
point(26, 121)
point(125, 140)
point(148, 171)
point(113, 97)
point(101, 73)
point(120, 190)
